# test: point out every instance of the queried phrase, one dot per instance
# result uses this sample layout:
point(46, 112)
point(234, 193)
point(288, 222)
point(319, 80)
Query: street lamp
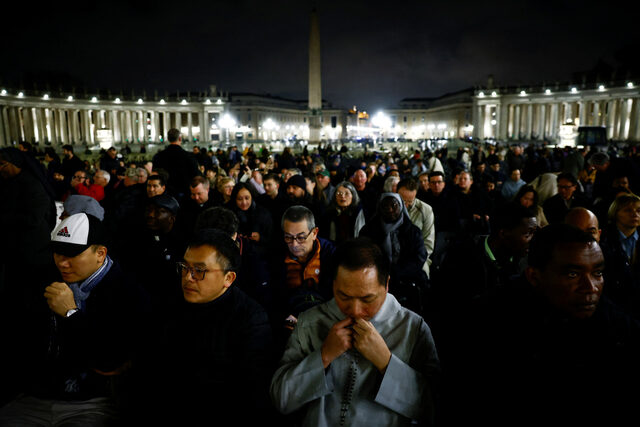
point(226, 122)
point(269, 125)
point(382, 121)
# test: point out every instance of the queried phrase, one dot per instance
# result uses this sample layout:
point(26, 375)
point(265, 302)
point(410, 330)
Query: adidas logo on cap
point(63, 232)
point(76, 233)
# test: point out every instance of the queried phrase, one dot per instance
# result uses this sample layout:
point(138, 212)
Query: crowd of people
point(325, 287)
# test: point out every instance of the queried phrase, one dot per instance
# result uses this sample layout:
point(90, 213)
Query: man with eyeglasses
point(446, 213)
point(81, 184)
point(302, 271)
point(214, 352)
point(556, 207)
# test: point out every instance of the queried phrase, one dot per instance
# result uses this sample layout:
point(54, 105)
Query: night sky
point(373, 53)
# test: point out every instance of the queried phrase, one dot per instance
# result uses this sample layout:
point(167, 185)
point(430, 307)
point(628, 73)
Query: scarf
point(82, 290)
point(391, 244)
point(299, 274)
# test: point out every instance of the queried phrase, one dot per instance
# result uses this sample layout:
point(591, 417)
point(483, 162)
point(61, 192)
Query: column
point(595, 121)
point(85, 120)
point(555, 118)
point(128, 125)
point(624, 119)
point(528, 122)
point(132, 123)
point(77, 123)
point(155, 126)
point(7, 125)
point(41, 115)
point(51, 122)
point(202, 124)
point(611, 113)
point(72, 117)
point(516, 122)
point(41, 133)
point(634, 130)
point(37, 130)
point(142, 126)
point(166, 120)
point(583, 105)
point(502, 114)
point(178, 120)
point(62, 123)
point(113, 122)
point(486, 122)
point(27, 123)
point(542, 119)
point(190, 127)
point(3, 128)
point(475, 121)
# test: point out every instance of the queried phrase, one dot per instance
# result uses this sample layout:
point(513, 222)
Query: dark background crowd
point(456, 228)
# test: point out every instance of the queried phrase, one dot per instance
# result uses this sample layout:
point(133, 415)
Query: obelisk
point(315, 87)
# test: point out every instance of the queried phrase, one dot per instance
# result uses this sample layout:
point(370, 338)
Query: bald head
point(585, 220)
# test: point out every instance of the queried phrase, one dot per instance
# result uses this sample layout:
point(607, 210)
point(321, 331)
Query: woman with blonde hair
point(619, 243)
point(224, 188)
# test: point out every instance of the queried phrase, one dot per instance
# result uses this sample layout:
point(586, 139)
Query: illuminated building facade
point(553, 113)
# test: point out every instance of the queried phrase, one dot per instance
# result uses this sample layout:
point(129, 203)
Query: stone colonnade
point(540, 116)
point(43, 120)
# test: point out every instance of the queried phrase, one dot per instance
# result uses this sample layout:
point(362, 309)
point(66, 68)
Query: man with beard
point(70, 163)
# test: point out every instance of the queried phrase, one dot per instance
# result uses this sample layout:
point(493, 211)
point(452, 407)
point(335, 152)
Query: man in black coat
point(181, 166)
point(213, 356)
point(550, 346)
point(70, 163)
point(557, 206)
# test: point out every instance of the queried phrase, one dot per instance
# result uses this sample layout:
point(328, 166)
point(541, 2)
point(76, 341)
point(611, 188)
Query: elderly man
point(201, 198)
point(359, 359)
point(366, 191)
point(421, 215)
point(81, 184)
point(101, 177)
point(302, 269)
point(80, 337)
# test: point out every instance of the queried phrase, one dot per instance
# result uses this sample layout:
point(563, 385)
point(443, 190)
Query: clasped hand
point(359, 334)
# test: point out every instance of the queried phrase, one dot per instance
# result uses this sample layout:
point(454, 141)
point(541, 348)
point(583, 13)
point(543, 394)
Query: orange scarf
point(299, 273)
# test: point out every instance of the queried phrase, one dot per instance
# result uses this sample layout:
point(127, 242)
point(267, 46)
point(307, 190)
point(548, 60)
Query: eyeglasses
point(565, 187)
point(300, 238)
point(196, 273)
point(79, 177)
point(436, 182)
point(341, 194)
